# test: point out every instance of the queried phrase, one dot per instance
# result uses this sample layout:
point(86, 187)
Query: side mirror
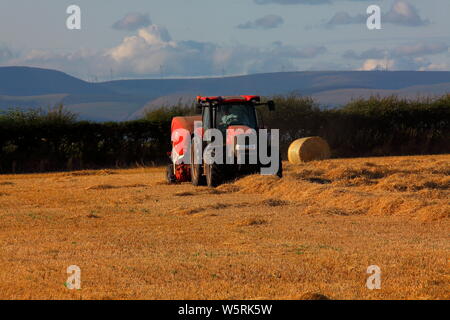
point(271, 105)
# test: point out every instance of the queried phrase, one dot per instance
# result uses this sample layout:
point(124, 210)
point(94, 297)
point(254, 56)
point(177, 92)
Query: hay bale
point(308, 149)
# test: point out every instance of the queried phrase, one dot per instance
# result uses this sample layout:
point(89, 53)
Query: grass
point(258, 237)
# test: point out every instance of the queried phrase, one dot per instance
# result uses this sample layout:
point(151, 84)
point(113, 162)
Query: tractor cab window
point(206, 118)
point(235, 115)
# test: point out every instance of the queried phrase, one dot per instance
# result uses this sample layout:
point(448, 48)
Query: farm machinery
point(227, 128)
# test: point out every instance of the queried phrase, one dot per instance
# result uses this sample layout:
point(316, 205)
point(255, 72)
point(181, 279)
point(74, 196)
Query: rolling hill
point(25, 87)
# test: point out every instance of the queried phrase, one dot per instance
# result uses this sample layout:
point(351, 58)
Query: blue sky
point(192, 38)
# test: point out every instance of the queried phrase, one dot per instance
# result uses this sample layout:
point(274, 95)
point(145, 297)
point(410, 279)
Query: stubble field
point(313, 232)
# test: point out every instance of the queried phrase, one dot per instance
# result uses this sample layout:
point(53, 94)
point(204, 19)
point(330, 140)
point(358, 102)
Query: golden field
point(314, 231)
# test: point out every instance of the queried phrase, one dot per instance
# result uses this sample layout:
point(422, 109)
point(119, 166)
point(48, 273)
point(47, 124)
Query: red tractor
point(236, 118)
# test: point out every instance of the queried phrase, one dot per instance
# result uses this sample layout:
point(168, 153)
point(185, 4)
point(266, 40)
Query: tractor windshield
point(235, 115)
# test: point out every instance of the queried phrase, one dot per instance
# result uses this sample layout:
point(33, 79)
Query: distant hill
point(273, 83)
point(26, 87)
point(339, 97)
point(25, 81)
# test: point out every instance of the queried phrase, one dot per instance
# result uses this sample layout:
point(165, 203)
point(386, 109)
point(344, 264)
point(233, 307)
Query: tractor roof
point(229, 99)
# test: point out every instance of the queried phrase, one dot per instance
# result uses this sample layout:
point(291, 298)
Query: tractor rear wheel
point(197, 178)
point(213, 175)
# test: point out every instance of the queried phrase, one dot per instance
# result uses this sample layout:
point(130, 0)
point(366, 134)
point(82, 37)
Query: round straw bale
point(308, 149)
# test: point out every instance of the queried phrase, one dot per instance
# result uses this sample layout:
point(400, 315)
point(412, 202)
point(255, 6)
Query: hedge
point(32, 147)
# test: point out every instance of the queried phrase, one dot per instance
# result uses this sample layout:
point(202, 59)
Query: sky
point(202, 38)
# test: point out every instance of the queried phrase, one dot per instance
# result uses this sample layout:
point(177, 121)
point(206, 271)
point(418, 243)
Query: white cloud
point(132, 21)
point(401, 13)
point(152, 50)
point(377, 64)
point(148, 42)
point(5, 53)
point(436, 67)
point(411, 50)
point(374, 53)
point(420, 49)
point(402, 64)
point(404, 13)
point(270, 21)
point(343, 18)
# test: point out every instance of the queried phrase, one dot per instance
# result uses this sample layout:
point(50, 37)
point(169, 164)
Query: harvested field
point(310, 235)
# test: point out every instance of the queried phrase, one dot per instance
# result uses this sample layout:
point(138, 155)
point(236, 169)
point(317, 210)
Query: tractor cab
point(225, 112)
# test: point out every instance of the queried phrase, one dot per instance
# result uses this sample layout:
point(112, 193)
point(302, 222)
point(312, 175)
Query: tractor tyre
point(197, 178)
point(170, 176)
point(279, 172)
point(213, 175)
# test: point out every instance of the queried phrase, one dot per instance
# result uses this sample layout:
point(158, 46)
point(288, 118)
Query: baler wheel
point(170, 176)
point(197, 178)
